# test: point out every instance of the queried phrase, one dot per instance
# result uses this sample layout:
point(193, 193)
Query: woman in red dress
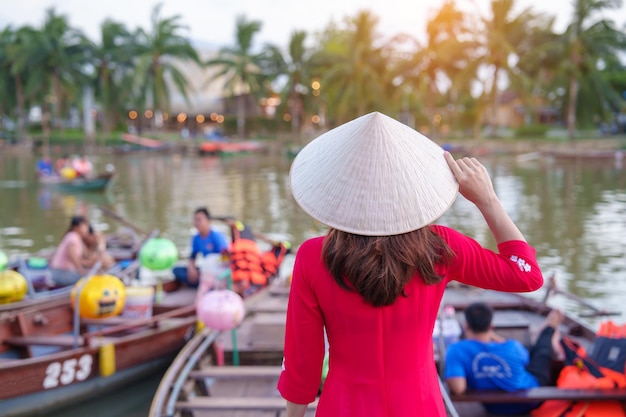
point(375, 281)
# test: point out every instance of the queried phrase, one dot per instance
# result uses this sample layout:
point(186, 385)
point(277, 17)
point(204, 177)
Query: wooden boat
point(226, 147)
point(123, 245)
point(98, 183)
point(138, 143)
point(195, 385)
point(49, 357)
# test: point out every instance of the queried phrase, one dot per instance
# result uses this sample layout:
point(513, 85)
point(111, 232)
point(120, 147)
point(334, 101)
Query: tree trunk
point(106, 102)
point(88, 122)
point(21, 117)
point(56, 105)
point(494, 103)
point(241, 116)
point(571, 107)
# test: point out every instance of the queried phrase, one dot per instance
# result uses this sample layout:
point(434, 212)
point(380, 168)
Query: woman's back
point(61, 259)
point(379, 356)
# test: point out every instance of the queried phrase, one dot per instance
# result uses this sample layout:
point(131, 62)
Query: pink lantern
point(220, 309)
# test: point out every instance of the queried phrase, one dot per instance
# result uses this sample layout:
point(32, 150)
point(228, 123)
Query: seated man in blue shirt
point(486, 361)
point(206, 241)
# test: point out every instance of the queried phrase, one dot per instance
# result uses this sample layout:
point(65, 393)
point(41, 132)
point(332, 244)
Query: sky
point(212, 22)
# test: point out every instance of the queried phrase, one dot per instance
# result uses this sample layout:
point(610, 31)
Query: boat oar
point(595, 311)
point(119, 218)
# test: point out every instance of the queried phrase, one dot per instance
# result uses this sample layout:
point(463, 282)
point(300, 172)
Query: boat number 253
point(68, 371)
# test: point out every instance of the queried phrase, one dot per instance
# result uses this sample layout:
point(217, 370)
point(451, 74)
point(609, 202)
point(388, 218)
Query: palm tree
point(444, 60)
point(295, 65)
point(159, 51)
point(241, 68)
point(502, 33)
point(59, 53)
point(114, 61)
point(588, 41)
point(7, 85)
point(354, 68)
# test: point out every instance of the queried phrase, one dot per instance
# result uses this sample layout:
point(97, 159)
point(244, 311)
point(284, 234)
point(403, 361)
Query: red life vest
point(248, 265)
point(600, 368)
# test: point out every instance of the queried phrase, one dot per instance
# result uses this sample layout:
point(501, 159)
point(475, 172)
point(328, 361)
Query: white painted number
point(84, 367)
point(65, 372)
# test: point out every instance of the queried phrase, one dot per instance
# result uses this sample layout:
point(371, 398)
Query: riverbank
point(176, 144)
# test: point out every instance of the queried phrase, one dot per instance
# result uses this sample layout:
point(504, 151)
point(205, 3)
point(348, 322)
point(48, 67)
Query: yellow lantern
point(68, 173)
point(102, 296)
point(13, 286)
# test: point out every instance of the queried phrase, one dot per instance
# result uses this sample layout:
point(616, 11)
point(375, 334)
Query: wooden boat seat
point(236, 372)
point(61, 340)
point(236, 404)
point(542, 394)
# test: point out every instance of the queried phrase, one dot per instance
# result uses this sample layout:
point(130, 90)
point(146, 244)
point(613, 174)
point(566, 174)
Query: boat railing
point(169, 389)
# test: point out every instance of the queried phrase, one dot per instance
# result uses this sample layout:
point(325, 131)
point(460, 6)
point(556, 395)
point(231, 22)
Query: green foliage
point(532, 131)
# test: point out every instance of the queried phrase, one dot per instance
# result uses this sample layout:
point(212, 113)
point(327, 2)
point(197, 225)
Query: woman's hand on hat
point(473, 178)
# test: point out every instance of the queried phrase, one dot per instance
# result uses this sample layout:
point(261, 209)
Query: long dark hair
point(378, 267)
point(75, 222)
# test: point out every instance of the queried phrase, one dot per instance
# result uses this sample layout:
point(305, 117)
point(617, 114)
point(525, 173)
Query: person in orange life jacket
point(486, 361)
point(205, 242)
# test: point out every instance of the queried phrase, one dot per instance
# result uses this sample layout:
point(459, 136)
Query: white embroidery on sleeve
point(521, 264)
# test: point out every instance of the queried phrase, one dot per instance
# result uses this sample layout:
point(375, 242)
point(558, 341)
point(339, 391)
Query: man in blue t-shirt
point(206, 241)
point(486, 361)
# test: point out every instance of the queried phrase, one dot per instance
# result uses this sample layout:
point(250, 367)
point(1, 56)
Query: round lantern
point(3, 261)
point(68, 173)
point(221, 309)
point(102, 296)
point(158, 254)
point(13, 286)
point(324, 369)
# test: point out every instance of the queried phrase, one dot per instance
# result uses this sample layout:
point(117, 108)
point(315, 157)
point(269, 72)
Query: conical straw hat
point(373, 176)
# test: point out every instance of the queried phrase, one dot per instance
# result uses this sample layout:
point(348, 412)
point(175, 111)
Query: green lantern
point(324, 369)
point(3, 261)
point(158, 254)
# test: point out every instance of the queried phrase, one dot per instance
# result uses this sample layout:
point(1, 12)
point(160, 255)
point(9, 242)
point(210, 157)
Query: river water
point(572, 212)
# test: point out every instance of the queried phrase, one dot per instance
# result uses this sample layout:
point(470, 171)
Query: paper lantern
point(13, 286)
point(325, 369)
point(3, 261)
point(158, 254)
point(102, 296)
point(221, 309)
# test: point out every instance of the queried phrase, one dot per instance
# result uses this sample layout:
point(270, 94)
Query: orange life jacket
point(583, 370)
point(246, 262)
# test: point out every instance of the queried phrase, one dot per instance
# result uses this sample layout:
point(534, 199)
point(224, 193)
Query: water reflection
point(573, 212)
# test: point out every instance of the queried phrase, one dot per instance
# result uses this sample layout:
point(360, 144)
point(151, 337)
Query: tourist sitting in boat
point(70, 262)
point(82, 166)
point(45, 167)
point(205, 242)
point(96, 248)
point(486, 361)
point(61, 163)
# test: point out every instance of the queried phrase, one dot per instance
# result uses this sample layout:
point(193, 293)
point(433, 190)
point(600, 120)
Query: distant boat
point(97, 183)
point(138, 143)
point(212, 147)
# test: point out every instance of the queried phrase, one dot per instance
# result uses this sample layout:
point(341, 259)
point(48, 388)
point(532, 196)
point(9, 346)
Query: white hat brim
point(373, 176)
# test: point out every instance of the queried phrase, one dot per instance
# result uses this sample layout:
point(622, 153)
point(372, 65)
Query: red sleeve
point(304, 334)
point(514, 268)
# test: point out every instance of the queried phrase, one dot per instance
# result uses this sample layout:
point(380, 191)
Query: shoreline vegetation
point(582, 146)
